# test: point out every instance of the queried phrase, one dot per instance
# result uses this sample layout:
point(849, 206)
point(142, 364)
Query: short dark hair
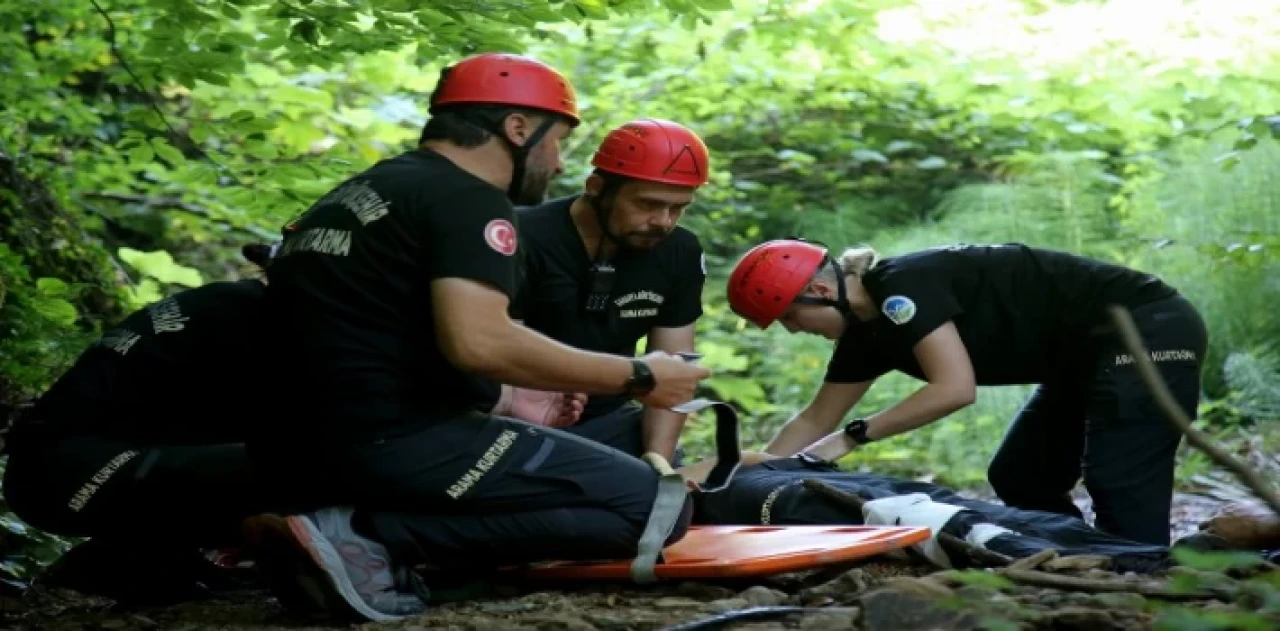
point(612, 181)
point(472, 125)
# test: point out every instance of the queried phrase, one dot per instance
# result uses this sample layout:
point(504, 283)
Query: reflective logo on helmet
point(685, 163)
point(899, 309)
point(501, 236)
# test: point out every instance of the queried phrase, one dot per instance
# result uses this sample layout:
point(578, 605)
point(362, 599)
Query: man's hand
point(549, 409)
point(675, 380)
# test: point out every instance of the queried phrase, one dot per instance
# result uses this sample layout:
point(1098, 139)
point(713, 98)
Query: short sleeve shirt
point(1024, 314)
point(352, 289)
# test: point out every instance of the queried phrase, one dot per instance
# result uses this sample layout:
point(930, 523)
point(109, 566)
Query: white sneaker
point(337, 569)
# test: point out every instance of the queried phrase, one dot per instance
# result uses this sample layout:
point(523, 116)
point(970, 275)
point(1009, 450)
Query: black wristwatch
point(641, 381)
point(856, 430)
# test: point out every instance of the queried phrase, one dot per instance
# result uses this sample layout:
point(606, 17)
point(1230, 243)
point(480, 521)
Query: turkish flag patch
point(501, 236)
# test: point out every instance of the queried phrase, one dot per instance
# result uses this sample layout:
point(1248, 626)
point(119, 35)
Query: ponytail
point(856, 261)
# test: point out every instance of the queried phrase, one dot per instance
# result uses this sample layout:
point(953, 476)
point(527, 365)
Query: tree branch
point(173, 203)
point(1167, 404)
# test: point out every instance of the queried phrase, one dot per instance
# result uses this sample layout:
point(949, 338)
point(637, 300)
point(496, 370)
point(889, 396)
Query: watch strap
point(856, 430)
point(641, 381)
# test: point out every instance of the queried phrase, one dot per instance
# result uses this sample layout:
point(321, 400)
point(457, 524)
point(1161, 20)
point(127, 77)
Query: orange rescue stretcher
point(708, 552)
point(726, 551)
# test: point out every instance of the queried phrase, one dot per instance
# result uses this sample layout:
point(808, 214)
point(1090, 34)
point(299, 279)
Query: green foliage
point(1215, 561)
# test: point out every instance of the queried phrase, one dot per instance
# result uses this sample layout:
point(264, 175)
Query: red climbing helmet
point(655, 150)
point(506, 79)
point(769, 277)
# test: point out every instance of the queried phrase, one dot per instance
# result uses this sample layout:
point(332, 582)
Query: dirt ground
point(869, 596)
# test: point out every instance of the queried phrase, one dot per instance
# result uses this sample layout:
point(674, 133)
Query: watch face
point(857, 430)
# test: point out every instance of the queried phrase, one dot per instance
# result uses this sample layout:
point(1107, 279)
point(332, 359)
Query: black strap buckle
point(600, 280)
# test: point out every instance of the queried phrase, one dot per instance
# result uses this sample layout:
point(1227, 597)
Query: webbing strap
point(728, 448)
point(673, 489)
point(667, 507)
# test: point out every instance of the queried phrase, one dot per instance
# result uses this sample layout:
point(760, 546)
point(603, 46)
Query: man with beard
point(390, 294)
point(607, 267)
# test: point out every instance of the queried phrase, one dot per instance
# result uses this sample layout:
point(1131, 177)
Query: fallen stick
point(1167, 404)
point(1100, 585)
point(950, 543)
point(1034, 561)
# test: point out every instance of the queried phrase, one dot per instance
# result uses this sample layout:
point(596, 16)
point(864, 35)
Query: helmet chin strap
point(519, 153)
point(841, 303)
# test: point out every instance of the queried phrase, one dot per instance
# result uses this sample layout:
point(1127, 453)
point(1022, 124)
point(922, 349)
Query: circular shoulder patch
point(501, 236)
point(899, 309)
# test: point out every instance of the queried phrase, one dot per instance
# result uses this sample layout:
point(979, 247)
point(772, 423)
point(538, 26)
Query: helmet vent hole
point(759, 291)
point(786, 256)
point(504, 73)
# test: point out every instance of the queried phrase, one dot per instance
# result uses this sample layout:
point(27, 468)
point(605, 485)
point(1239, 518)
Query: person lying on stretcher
point(770, 490)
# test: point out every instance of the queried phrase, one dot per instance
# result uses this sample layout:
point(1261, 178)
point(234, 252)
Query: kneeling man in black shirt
point(607, 267)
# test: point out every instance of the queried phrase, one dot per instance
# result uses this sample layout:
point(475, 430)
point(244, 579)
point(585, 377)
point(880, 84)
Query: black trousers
point(1103, 425)
point(479, 491)
point(87, 486)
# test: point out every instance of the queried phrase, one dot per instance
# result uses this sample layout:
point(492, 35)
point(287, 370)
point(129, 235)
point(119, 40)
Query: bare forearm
point(661, 429)
point(526, 359)
point(924, 406)
point(921, 408)
point(798, 433)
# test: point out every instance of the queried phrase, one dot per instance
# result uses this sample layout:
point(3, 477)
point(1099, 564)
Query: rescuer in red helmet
point(390, 297)
point(606, 267)
point(963, 316)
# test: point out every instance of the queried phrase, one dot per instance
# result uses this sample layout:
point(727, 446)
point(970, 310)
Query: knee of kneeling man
point(682, 524)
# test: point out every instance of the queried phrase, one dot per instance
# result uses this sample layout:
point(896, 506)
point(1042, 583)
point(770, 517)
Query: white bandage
point(980, 534)
point(914, 509)
point(503, 406)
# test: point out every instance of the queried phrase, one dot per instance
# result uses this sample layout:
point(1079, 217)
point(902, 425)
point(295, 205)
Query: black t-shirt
point(181, 370)
point(351, 286)
point(1025, 314)
point(661, 287)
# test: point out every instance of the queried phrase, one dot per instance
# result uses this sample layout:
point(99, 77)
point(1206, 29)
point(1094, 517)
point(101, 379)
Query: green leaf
point(1215, 561)
point(931, 162)
point(978, 578)
point(56, 309)
point(1228, 161)
point(899, 146)
point(142, 154)
point(167, 152)
point(263, 150)
point(868, 155)
point(160, 266)
point(51, 287)
point(715, 5)
point(144, 293)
